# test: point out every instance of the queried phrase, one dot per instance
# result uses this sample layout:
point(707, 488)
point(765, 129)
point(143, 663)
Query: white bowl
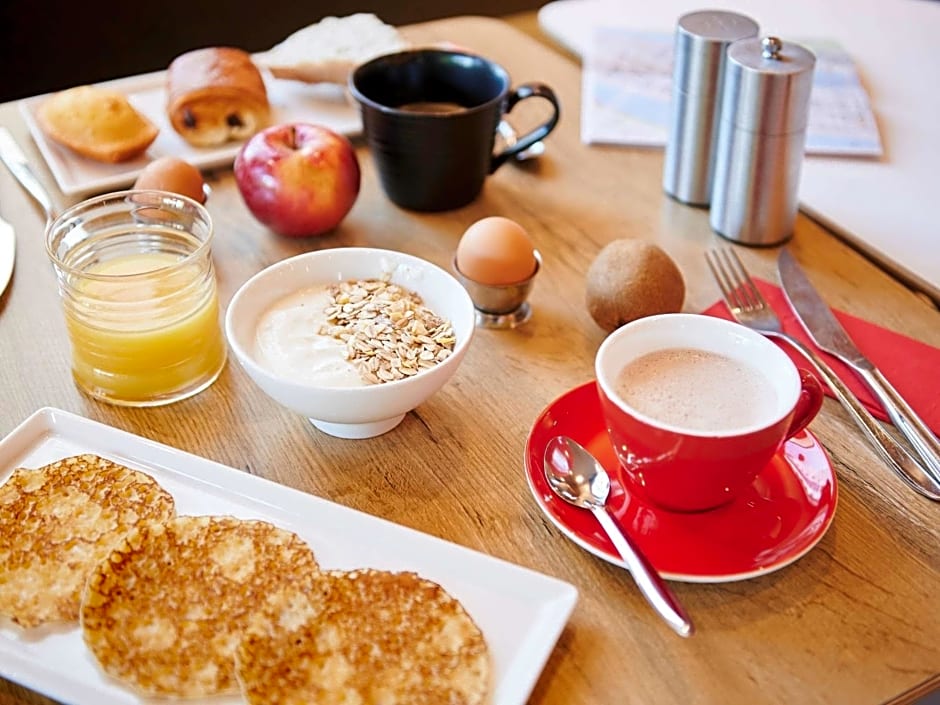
point(349, 412)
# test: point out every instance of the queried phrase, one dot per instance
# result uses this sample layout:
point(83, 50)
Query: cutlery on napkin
point(830, 336)
point(902, 360)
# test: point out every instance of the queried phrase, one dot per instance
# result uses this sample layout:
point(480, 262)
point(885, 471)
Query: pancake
point(58, 522)
point(166, 611)
point(382, 638)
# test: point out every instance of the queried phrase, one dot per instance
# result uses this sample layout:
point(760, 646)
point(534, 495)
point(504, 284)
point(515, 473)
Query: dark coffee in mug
point(432, 107)
point(430, 118)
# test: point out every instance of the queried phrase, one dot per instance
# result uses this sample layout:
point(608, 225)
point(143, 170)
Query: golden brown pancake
point(383, 638)
point(58, 522)
point(165, 612)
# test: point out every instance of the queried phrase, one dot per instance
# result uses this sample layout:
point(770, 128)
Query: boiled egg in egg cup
point(497, 263)
point(351, 412)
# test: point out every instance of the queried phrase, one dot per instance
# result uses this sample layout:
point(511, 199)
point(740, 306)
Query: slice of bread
point(328, 51)
point(381, 638)
point(58, 522)
point(97, 123)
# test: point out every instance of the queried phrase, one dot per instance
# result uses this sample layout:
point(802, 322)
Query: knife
point(7, 253)
point(829, 335)
point(16, 162)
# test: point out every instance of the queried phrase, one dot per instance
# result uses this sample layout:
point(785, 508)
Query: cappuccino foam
point(697, 390)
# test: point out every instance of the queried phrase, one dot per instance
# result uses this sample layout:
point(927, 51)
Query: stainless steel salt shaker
point(701, 41)
point(761, 137)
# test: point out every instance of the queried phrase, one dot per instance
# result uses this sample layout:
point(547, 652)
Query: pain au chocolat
point(216, 94)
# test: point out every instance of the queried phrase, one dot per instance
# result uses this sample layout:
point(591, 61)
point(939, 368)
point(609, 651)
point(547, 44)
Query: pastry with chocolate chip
point(215, 95)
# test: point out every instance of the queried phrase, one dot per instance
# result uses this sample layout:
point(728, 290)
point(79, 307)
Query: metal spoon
point(508, 134)
point(578, 478)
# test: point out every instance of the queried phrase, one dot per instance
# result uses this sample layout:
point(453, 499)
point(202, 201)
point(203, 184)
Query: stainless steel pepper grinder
point(701, 41)
point(761, 137)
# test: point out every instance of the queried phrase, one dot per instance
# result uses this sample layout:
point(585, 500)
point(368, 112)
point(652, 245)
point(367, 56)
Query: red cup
point(685, 467)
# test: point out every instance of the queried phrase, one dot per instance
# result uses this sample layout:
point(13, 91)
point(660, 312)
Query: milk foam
point(697, 390)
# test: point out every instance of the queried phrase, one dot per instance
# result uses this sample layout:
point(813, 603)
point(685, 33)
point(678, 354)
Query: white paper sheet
point(628, 86)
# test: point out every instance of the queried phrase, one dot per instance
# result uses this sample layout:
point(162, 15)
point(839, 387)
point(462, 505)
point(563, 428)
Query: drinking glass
point(139, 295)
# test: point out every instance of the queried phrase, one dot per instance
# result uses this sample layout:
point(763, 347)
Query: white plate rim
point(517, 658)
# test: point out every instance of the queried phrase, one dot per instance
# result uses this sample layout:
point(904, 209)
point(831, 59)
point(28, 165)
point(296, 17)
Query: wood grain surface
point(853, 621)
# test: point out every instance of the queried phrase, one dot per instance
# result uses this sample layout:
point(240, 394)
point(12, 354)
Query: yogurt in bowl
point(288, 328)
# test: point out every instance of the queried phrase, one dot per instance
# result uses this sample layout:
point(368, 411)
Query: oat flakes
point(388, 331)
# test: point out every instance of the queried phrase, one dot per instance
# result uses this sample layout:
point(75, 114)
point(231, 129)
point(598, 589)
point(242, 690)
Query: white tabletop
point(888, 206)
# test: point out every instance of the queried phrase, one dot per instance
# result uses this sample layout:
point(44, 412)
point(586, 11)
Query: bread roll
point(328, 51)
point(215, 95)
point(95, 122)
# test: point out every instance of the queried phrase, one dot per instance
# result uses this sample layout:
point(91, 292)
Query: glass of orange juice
point(139, 293)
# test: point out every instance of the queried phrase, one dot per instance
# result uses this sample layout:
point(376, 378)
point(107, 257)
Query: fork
point(750, 309)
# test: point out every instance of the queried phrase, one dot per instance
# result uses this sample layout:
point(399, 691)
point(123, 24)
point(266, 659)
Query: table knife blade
point(827, 332)
point(11, 154)
point(7, 253)
point(815, 315)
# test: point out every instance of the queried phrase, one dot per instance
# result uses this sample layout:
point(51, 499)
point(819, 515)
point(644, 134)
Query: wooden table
point(853, 621)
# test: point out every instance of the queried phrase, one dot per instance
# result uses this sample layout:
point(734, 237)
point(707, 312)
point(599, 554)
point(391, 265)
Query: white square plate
point(520, 612)
point(291, 101)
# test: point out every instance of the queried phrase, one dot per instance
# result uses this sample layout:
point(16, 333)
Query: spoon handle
point(653, 587)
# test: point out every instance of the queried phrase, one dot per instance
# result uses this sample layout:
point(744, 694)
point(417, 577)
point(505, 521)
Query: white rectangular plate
point(291, 101)
point(520, 612)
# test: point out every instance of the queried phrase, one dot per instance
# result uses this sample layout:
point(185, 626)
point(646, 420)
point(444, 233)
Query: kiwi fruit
point(630, 279)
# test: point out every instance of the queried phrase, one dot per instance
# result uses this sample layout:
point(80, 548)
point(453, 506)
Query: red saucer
point(779, 518)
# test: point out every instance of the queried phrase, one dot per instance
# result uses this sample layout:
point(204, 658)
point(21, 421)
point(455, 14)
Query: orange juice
point(165, 337)
point(141, 308)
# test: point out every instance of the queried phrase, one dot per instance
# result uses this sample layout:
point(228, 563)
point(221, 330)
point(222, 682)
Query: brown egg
point(174, 175)
point(496, 250)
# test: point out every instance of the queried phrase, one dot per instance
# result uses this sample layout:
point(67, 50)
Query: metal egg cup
point(500, 305)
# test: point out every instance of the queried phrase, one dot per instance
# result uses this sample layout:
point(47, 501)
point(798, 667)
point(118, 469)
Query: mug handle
point(516, 95)
point(809, 403)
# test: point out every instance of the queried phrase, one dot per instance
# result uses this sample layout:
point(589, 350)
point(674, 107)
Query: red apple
point(298, 179)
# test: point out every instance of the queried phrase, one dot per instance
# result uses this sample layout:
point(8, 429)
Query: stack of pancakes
point(192, 606)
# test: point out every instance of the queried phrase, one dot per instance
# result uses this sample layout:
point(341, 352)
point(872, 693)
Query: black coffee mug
point(430, 118)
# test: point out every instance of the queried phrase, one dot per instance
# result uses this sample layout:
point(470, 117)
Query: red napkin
point(911, 366)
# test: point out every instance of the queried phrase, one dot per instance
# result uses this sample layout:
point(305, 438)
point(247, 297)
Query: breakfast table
point(852, 621)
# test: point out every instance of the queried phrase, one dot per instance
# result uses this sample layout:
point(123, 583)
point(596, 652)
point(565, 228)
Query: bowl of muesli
point(353, 338)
